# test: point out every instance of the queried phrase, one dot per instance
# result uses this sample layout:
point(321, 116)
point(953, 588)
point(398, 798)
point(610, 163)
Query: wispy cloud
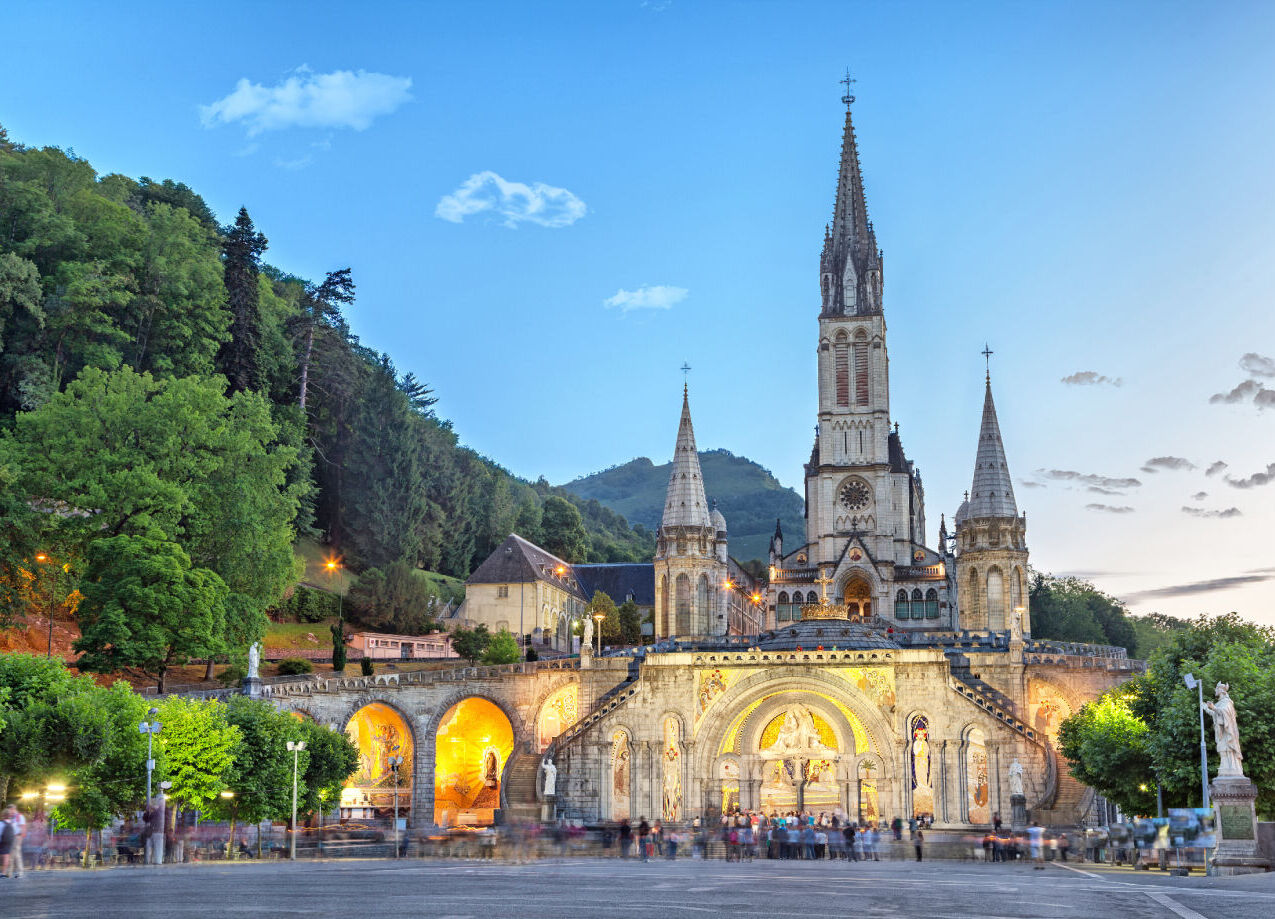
point(1099, 490)
point(1197, 587)
point(1029, 484)
point(1110, 508)
point(656, 297)
point(1257, 365)
point(656, 6)
point(1215, 468)
point(1090, 378)
point(1201, 512)
point(1255, 480)
point(341, 99)
point(1156, 463)
point(1088, 478)
point(1199, 496)
point(515, 202)
point(299, 162)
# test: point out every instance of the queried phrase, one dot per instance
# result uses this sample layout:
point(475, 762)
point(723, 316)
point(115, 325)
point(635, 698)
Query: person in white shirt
point(19, 833)
point(1035, 839)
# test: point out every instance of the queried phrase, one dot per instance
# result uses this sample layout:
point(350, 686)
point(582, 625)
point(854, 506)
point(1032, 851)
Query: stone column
point(941, 806)
point(994, 779)
point(903, 795)
point(1235, 820)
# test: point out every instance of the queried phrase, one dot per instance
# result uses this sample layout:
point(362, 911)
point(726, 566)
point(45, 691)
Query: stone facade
point(872, 675)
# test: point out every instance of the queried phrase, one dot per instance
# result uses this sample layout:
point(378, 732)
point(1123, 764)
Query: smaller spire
point(993, 489)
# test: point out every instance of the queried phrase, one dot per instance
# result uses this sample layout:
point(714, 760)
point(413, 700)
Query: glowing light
point(332, 564)
point(560, 570)
point(756, 598)
point(41, 557)
point(728, 585)
point(227, 794)
point(57, 789)
point(28, 795)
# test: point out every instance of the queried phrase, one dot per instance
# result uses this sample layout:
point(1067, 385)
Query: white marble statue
point(550, 772)
point(798, 733)
point(1226, 732)
point(1016, 778)
point(586, 639)
point(254, 660)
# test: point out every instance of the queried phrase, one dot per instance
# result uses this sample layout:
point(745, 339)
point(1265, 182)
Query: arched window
point(703, 620)
point(783, 611)
point(861, 370)
point(783, 596)
point(1016, 589)
point(931, 604)
point(971, 605)
point(812, 597)
point(666, 620)
point(901, 609)
point(683, 625)
point(995, 599)
point(841, 367)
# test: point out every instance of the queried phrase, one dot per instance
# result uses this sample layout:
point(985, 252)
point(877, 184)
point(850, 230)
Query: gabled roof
point(518, 561)
point(618, 581)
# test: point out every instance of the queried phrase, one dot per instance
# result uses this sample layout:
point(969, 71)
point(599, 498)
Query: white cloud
point(341, 99)
point(299, 162)
point(516, 202)
point(654, 297)
point(1090, 378)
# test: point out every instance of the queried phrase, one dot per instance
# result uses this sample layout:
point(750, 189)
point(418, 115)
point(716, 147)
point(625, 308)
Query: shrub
point(366, 666)
point(531, 654)
point(292, 666)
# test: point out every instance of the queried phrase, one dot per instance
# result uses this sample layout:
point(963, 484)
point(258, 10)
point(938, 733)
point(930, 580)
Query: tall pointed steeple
point(686, 505)
point(993, 491)
point(851, 264)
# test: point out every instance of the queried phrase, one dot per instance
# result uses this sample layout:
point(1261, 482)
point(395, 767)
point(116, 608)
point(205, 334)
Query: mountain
point(747, 495)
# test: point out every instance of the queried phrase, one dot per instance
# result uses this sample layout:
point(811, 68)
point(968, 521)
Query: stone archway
point(382, 734)
point(856, 594)
point(472, 746)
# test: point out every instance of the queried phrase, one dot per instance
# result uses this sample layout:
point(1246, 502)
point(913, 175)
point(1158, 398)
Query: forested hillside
point(162, 385)
point(748, 495)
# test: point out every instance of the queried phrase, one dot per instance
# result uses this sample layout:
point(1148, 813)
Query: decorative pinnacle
point(848, 98)
point(987, 356)
point(686, 370)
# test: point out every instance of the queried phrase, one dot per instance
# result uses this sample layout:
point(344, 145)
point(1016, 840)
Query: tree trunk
point(305, 364)
point(208, 672)
point(88, 848)
point(159, 682)
point(232, 850)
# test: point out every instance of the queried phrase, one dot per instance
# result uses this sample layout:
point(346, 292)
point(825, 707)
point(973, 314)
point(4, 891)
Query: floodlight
point(1190, 680)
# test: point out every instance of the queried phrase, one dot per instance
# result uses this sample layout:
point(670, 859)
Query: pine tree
point(240, 358)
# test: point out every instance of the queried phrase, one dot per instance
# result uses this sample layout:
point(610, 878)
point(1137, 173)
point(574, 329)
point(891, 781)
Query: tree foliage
point(1070, 609)
point(562, 530)
point(502, 648)
point(1156, 724)
point(195, 750)
point(393, 599)
point(471, 644)
point(145, 607)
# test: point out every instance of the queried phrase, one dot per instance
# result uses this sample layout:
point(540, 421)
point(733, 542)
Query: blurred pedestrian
point(19, 834)
point(644, 840)
point(918, 839)
point(7, 834)
point(626, 838)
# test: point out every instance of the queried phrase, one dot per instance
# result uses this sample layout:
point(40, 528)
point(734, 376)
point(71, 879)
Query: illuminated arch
point(472, 746)
point(379, 732)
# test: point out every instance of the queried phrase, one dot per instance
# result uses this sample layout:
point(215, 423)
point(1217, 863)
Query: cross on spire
point(987, 353)
point(848, 98)
point(686, 370)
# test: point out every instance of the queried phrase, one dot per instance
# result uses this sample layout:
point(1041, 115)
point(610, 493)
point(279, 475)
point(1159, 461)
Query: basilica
point(871, 674)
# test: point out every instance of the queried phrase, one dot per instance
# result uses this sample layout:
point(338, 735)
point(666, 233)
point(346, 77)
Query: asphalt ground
point(583, 887)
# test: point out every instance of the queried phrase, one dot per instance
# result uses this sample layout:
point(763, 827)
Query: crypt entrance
point(800, 749)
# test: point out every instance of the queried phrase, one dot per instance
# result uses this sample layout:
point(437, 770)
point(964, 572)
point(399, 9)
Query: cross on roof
point(987, 353)
point(848, 99)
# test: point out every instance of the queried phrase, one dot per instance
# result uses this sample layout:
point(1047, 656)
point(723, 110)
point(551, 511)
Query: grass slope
point(747, 494)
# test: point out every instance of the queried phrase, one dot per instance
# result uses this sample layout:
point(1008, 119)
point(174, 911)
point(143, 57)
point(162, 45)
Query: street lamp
point(150, 729)
point(333, 565)
point(295, 748)
point(395, 762)
point(598, 617)
point(1193, 683)
point(43, 558)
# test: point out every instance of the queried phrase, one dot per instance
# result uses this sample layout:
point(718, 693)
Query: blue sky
point(1085, 186)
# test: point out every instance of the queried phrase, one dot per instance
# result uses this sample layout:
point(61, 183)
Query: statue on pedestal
point(586, 638)
point(1016, 778)
point(550, 772)
point(254, 660)
point(1226, 732)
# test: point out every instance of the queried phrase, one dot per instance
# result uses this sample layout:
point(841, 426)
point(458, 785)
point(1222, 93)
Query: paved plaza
point(597, 887)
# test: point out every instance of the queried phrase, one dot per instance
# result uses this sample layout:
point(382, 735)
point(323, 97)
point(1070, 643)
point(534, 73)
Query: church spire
point(850, 266)
point(686, 504)
point(993, 492)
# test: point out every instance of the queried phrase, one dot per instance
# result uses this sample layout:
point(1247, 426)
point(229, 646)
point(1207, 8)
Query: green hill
point(747, 494)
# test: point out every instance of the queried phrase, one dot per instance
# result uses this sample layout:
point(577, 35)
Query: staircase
point(522, 781)
point(990, 700)
point(1072, 803)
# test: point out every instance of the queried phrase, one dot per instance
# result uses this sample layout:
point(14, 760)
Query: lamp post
point(1193, 683)
point(44, 559)
point(295, 748)
point(395, 762)
point(150, 729)
point(598, 618)
point(338, 631)
point(229, 796)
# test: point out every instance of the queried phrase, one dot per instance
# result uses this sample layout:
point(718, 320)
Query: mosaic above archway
point(380, 733)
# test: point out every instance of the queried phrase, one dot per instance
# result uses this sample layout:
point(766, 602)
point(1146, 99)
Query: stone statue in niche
point(1016, 778)
point(1226, 731)
point(254, 660)
point(798, 732)
point(491, 770)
